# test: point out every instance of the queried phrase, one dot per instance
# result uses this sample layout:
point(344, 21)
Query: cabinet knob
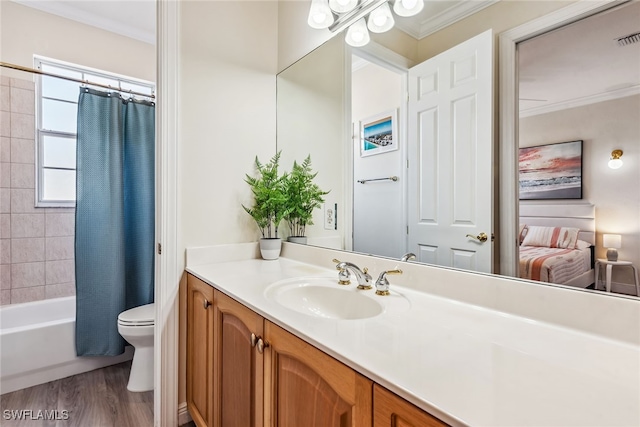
point(206, 304)
point(261, 345)
point(254, 339)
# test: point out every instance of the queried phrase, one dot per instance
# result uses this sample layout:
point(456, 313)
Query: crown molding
point(443, 19)
point(65, 10)
point(579, 102)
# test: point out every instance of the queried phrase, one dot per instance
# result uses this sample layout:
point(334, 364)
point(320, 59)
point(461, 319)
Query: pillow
point(522, 232)
point(551, 237)
point(582, 245)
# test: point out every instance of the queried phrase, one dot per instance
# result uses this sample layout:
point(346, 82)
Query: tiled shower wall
point(37, 244)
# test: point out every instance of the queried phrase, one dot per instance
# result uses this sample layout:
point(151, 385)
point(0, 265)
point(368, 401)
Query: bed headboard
point(578, 215)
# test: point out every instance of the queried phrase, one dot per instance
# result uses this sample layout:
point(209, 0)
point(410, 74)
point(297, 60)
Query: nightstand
point(610, 265)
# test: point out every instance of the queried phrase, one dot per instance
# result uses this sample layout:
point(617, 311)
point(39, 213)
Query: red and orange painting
point(551, 171)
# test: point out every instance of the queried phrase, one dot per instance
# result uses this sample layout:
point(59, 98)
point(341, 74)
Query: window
point(57, 110)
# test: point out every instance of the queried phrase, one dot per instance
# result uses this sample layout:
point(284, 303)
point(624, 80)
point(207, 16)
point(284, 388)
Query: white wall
point(26, 31)
point(603, 127)
point(378, 221)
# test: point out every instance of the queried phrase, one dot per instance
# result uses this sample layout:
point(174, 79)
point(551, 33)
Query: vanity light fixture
point(612, 242)
point(615, 162)
point(339, 14)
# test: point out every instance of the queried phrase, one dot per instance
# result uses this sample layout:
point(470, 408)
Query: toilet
point(136, 326)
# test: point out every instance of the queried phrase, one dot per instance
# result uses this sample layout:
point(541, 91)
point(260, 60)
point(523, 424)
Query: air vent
point(630, 39)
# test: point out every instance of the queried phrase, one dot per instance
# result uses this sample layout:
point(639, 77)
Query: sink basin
point(323, 297)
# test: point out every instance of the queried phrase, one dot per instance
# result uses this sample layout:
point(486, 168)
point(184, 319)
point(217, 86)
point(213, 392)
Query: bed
point(557, 243)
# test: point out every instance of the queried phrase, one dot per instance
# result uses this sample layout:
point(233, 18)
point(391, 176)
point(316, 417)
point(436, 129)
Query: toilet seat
point(143, 315)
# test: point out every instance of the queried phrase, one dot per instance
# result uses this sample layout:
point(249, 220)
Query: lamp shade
point(357, 34)
point(615, 162)
point(380, 19)
point(613, 241)
point(320, 15)
point(408, 7)
point(342, 6)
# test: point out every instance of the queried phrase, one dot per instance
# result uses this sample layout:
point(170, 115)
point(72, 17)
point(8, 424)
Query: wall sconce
point(612, 242)
point(615, 162)
point(339, 14)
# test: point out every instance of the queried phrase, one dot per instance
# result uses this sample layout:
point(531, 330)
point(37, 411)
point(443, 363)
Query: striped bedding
point(553, 265)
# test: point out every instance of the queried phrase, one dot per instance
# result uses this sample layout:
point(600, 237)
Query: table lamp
point(612, 242)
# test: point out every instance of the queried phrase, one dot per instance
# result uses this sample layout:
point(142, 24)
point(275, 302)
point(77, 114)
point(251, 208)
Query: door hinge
point(407, 229)
point(159, 249)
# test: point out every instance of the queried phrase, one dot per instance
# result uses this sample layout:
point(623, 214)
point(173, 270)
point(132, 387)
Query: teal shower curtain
point(114, 236)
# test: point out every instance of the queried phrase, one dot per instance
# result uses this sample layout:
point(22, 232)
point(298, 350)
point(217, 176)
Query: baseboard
point(183, 414)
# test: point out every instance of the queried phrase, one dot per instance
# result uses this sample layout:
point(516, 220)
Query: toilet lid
point(138, 316)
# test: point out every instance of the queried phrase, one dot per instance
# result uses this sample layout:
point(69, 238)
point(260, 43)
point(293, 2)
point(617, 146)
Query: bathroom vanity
point(446, 347)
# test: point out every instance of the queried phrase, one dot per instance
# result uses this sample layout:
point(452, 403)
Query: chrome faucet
point(406, 257)
point(362, 276)
point(382, 284)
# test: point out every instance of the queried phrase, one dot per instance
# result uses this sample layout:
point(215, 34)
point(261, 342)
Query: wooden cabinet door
point(238, 369)
point(390, 410)
point(306, 387)
point(199, 351)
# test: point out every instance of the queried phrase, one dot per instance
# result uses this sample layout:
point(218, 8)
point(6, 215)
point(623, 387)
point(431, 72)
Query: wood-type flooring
point(93, 399)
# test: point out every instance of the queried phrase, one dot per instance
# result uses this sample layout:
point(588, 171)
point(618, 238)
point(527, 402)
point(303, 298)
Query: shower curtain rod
point(71, 79)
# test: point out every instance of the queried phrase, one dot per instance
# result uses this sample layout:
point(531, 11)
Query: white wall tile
point(5, 149)
point(5, 123)
point(5, 276)
point(5, 251)
point(22, 175)
point(5, 297)
point(23, 84)
point(5, 200)
point(59, 248)
point(5, 101)
point(60, 225)
point(60, 290)
point(22, 126)
point(27, 275)
point(5, 81)
point(23, 201)
point(22, 101)
point(27, 294)
point(27, 250)
point(27, 225)
point(5, 175)
point(5, 226)
point(60, 272)
point(22, 150)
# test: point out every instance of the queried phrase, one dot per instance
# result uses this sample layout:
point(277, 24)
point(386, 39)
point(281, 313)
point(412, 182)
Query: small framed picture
point(379, 133)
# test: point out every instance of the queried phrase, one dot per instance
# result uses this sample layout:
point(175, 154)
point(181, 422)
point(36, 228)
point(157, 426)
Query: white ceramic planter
point(270, 248)
point(298, 239)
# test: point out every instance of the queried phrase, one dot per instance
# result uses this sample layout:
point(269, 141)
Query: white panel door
point(450, 132)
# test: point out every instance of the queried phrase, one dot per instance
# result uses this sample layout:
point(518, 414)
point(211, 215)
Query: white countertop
point(463, 363)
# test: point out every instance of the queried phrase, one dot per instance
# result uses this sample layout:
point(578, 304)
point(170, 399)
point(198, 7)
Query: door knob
point(482, 237)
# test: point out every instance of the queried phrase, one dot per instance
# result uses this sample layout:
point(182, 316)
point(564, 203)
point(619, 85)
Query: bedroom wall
point(603, 127)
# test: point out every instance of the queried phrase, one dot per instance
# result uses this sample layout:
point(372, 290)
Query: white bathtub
point(37, 344)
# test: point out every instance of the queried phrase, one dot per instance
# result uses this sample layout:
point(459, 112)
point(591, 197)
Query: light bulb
point(615, 163)
point(342, 6)
point(320, 15)
point(380, 19)
point(408, 7)
point(357, 34)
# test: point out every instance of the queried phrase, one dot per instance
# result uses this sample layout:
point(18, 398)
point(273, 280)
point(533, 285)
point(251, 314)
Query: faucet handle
point(344, 277)
point(382, 284)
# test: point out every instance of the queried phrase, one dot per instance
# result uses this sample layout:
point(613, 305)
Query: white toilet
point(136, 326)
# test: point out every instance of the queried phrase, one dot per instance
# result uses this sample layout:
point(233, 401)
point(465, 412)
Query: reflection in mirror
point(613, 212)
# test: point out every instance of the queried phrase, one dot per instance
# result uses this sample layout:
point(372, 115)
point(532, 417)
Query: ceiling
point(580, 63)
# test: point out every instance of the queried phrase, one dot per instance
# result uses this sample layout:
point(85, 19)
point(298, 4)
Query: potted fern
point(302, 196)
point(270, 204)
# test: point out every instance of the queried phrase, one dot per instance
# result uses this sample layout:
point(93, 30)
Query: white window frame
point(41, 132)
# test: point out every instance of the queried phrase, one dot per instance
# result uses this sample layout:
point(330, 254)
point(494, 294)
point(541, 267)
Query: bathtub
point(37, 344)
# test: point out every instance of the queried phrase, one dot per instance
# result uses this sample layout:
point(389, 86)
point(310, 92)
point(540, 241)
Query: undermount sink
point(323, 297)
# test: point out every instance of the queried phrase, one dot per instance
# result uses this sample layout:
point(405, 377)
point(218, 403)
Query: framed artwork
point(379, 133)
point(551, 171)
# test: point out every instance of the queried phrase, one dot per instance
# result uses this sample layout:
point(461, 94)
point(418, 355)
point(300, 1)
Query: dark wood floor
point(94, 399)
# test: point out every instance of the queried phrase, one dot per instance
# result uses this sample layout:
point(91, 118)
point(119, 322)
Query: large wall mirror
point(576, 83)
